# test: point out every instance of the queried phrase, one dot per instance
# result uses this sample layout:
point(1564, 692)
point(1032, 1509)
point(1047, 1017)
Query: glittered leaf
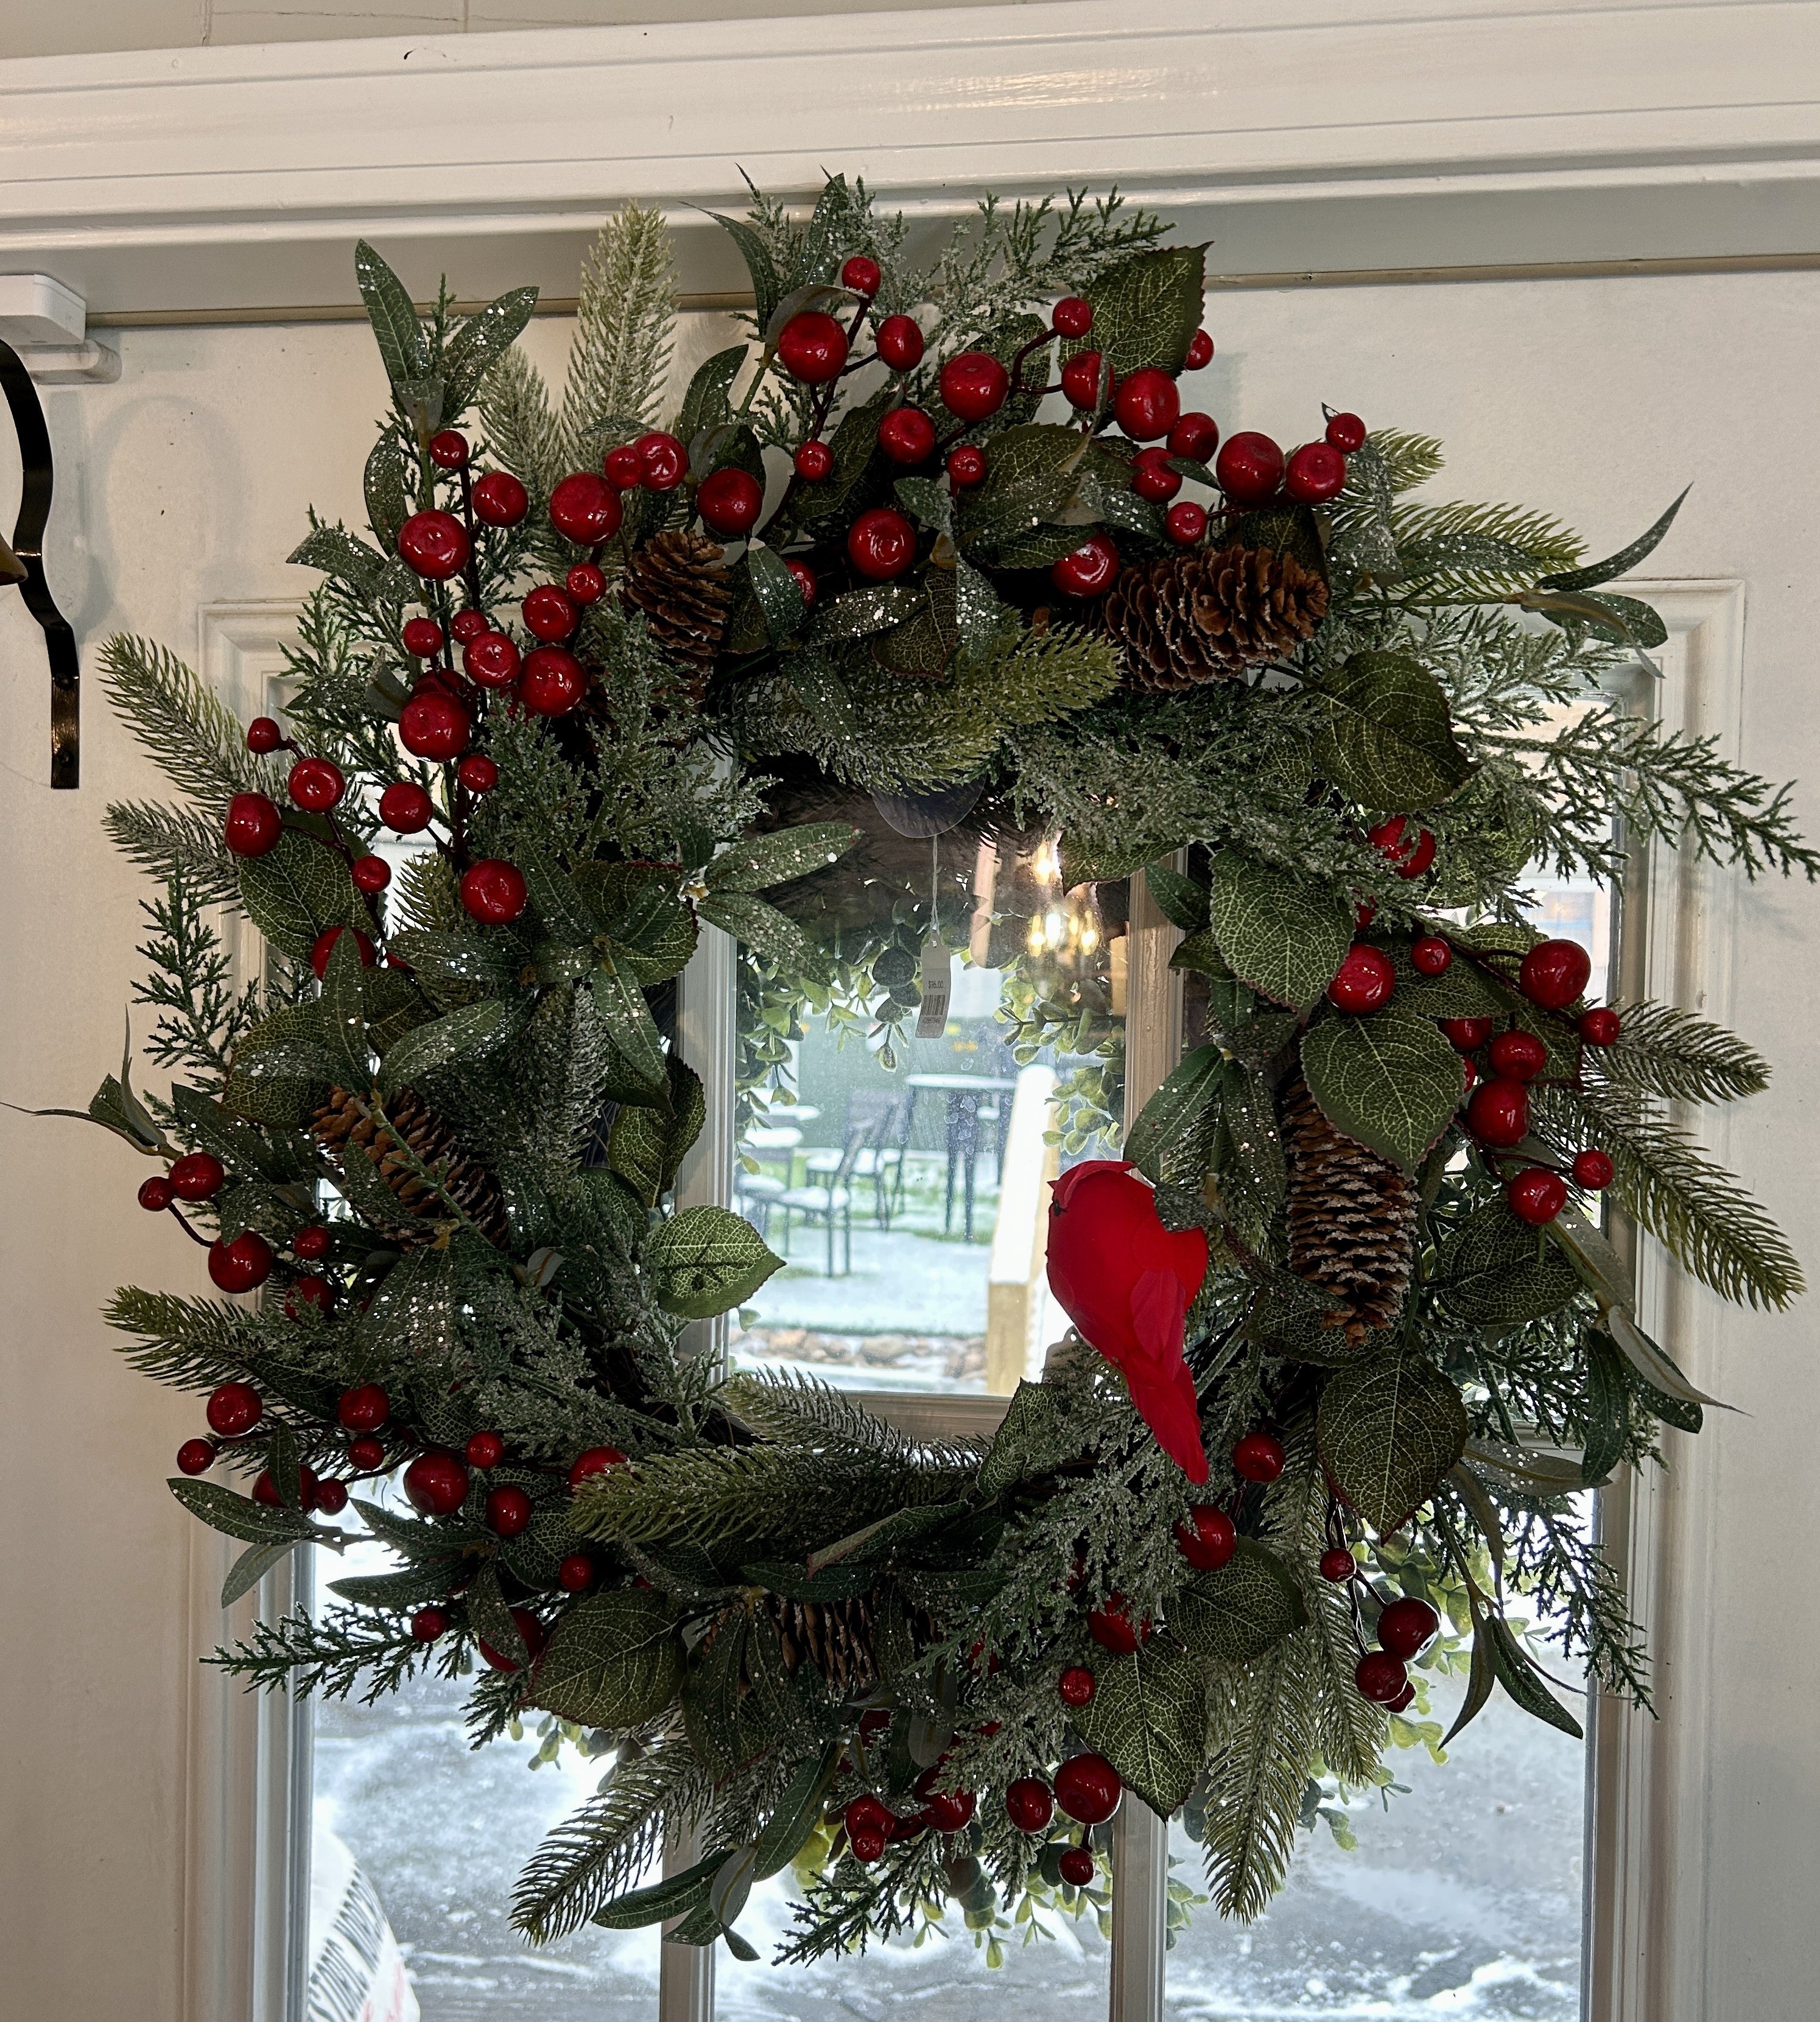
point(1176, 1110)
point(403, 349)
point(240, 1515)
point(1236, 1613)
point(470, 1033)
point(760, 926)
point(1388, 741)
point(706, 1260)
point(1594, 573)
point(1146, 310)
point(297, 890)
point(1495, 1271)
point(1390, 1083)
point(1148, 1719)
point(1279, 934)
point(1389, 1430)
point(779, 597)
point(1520, 1678)
point(384, 485)
point(615, 1660)
point(478, 346)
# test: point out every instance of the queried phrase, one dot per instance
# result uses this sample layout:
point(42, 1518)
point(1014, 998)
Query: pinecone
point(835, 1636)
point(345, 1124)
point(1352, 1218)
point(679, 580)
point(1205, 615)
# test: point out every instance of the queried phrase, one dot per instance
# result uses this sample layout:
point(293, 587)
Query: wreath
point(945, 546)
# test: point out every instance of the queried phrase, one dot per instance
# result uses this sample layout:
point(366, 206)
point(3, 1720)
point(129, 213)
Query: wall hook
point(23, 563)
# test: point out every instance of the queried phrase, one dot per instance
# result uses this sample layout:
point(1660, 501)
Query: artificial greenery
point(764, 1603)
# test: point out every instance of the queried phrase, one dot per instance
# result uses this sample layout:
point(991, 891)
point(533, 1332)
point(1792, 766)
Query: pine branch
point(195, 737)
point(1447, 548)
point(175, 842)
point(328, 1655)
point(1255, 1782)
point(1662, 1050)
point(520, 428)
point(190, 1343)
point(625, 329)
point(793, 1410)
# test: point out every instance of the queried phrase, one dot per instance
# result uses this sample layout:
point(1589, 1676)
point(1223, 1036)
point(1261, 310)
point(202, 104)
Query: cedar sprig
point(201, 1014)
point(328, 1655)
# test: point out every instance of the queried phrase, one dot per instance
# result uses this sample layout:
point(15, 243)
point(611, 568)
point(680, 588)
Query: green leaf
point(240, 1515)
point(1462, 991)
point(1389, 1430)
point(796, 1816)
point(282, 1070)
point(1496, 1271)
point(780, 596)
point(615, 1660)
point(297, 891)
point(673, 1896)
point(384, 487)
point(855, 445)
point(1179, 899)
point(1480, 1678)
point(779, 857)
point(766, 287)
point(1236, 1613)
point(471, 1033)
point(1520, 1678)
point(403, 349)
point(875, 1540)
point(1037, 1433)
point(630, 1025)
point(1651, 1362)
point(1606, 1275)
point(1146, 309)
point(343, 1014)
point(1391, 1082)
point(861, 612)
point(705, 405)
point(1607, 1409)
point(1280, 935)
point(251, 1566)
point(1619, 620)
point(647, 1143)
point(760, 926)
point(1615, 565)
point(706, 1260)
point(1388, 742)
point(1148, 1719)
point(478, 346)
point(490, 1618)
point(1176, 1110)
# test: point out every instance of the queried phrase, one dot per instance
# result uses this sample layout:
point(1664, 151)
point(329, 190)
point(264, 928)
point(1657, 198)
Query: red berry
point(1258, 1457)
point(1208, 1539)
point(1554, 973)
point(575, 1574)
point(367, 1453)
point(867, 1844)
point(234, 1409)
point(900, 342)
point(907, 436)
point(253, 826)
point(814, 460)
point(1405, 1698)
point(1520, 1055)
point(435, 544)
point(861, 275)
point(436, 1483)
point(1411, 849)
point(1185, 524)
point(812, 346)
point(1249, 468)
point(728, 502)
point(265, 1489)
point(549, 613)
point(1365, 980)
point(1467, 1035)
point(197, 1176)
point(500, 500)
point(331, 1498)
point(155, 1194)
point(324, 946)
point(1431, 956)
point(508, 1511)
point(242, 1265)
point(1593, 1169)
point(1315, 471)
point(195, 1457)
point(1337, 1564)
point(1200, 352)
point(1599, 1027)
point(803, 576)
point(428, 1623)
point(662, 461)
point(493, 891)
point(1077, 1686)
point(1469, 1074)
point(868, 1813)
point(1147, 405)
point(468, 623)
point(370, 874)
point(1072, 316)
point(363, 1409)
point(1346, 433)
point(316, 784)
point(404, 807)
point(1077, 1867)
point(1089, 571)
point(1498, 1112)
point(1406, 1625)
point(553, 682)
point(434, 725)
point(1537, 1195)
point(585, 583)
point(531, 1632)
point(1030, 1804)
point(313, 1294)
point(1152, 478)
point(423, 637)
point(967, 467)
point(1195, 436)
point(586, 507)
point(623, 467)
point(1088, 1789)
point(881, 544)
point(944, 1811)
point(1112, 1628)
point(1379, 1675)
point(264, 736)
point(1080, 378)
point(975, 386)
point(491, 659)
point(448, 451)
point(478, 773)
point(597, 1460)
point(485, 1450)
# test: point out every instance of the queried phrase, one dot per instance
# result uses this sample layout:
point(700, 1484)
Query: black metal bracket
point(24, 564)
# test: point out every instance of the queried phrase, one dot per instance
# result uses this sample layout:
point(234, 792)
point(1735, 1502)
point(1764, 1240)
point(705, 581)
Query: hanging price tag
point(938, 973)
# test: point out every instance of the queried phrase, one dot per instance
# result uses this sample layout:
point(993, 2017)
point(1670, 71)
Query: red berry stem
point(471, 569)
point(1042, 337)
point(176, 1213)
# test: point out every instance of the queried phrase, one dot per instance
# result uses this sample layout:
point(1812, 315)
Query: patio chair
point(886, 1118)
point(827, 1202)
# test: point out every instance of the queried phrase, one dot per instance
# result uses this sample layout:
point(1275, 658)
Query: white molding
point(1440, 133)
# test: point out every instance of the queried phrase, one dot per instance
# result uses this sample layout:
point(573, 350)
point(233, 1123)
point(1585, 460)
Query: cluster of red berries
point(242, 1263)
point(1086, 1787)
point(233, 1411)
point(1405, 1627)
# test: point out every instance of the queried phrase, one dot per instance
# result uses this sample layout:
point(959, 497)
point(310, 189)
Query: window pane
point(900, 1164)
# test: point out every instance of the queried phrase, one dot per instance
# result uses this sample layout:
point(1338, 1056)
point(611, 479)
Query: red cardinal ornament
point(1126, 1283)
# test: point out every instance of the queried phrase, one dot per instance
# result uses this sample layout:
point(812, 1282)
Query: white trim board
point(1297, 135)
